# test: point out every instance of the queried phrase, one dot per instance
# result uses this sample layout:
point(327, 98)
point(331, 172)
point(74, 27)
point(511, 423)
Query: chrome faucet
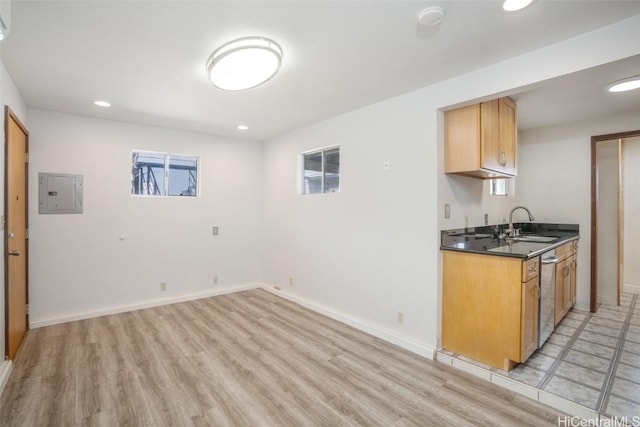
point(510, 231)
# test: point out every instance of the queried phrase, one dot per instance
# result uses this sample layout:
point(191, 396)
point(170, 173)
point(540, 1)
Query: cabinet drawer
point(565, 250)
point(530, 269)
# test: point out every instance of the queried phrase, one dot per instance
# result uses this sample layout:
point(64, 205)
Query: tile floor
point(592, 359)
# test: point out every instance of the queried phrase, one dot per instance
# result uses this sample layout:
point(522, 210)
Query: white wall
point(364, 251)
point(372, 250)
point(607, 155)
point(631, 178)
point(560, 191)
point(470, 200)
point(10, 96)
point(79, 264)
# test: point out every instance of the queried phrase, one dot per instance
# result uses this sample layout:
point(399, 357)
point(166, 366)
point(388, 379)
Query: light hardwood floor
point(249, 358)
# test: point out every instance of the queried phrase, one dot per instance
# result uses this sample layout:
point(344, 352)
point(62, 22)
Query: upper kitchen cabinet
point(481, 140)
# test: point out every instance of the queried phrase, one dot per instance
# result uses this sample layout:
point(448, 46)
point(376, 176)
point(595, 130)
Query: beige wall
point(607, 221)
point(631, 178)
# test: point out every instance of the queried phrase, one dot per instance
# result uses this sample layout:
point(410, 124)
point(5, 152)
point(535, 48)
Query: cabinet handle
point(532, 267)
point(503, 159)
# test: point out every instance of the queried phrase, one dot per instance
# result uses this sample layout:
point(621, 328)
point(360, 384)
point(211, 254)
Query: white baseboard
point(632, 289)
point(5, 370)
point(39, 323)
point(376, 331)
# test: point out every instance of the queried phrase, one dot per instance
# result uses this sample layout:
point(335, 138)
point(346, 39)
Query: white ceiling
point(148, 58)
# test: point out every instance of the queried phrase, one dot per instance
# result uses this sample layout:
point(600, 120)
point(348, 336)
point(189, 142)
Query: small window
point(161, 174)
point(499, 187)
point(321, 171)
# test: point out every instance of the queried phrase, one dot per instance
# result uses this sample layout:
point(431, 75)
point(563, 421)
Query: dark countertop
point(484, 240)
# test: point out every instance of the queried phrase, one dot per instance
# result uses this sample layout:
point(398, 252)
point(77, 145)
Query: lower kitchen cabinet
point(529, 318)
point(565, 280)
point(490, 307)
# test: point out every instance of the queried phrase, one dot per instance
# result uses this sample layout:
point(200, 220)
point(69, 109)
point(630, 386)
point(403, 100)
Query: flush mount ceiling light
point(242, 127)
point(625, 85)
point(102, 104)
point(430, 16)
point(244, 63)
point(515, 5)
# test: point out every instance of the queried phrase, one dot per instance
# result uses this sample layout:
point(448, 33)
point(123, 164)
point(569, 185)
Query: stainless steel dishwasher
point(548, 261)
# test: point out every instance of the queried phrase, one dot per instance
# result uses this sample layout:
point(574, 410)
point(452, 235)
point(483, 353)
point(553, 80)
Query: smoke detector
point(430, 16)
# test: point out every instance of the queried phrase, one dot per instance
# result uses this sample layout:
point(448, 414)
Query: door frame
point(8, 114)
point(593, 305)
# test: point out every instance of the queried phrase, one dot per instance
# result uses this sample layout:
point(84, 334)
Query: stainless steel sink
point(535, 238)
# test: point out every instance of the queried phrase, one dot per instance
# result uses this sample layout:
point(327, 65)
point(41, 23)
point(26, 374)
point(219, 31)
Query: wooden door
point(564, 288)
point(529, 320)
point(566, 295)
point(16, 234)
point(490, 135)
point(560, 287)
point(572, 280)
point(508, 150)
point(462, 139)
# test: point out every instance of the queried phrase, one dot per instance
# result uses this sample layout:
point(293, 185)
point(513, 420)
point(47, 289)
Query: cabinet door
point(572, 280)
point(560, 285)
point(490, 135)
point(574, 269)
point(462, 139)
point(508, 148)
point(529, 319)
point(567, 290)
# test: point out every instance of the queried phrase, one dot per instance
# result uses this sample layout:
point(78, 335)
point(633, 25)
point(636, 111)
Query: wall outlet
point(486, 219)
point(216, 231)
point(215, 280)
point(163, 286)
point(447, 210)
point(401, 317)
point(386, 165)
point(290, 281)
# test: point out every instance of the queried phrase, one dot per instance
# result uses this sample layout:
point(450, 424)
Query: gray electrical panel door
point(59, 193)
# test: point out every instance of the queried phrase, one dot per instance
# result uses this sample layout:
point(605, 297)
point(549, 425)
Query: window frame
point(167, 158)
point(499, 186)
point(301, 170)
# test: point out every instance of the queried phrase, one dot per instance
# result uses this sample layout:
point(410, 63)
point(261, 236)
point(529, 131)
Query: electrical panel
point(59, 193)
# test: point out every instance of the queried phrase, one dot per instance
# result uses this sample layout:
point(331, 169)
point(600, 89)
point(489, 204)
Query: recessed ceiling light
point(430, 16)
point(244, 63)
point(515, 5)
point(243, 127)
point(625, 85)
point(102, 103)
